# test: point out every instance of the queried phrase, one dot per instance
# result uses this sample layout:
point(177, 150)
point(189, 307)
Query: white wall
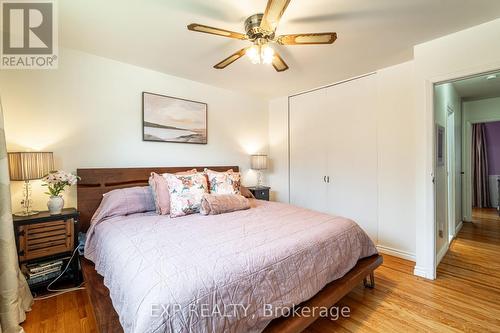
point(467, 52)
point(278, 149)
point(396, 159)
point(88, 112)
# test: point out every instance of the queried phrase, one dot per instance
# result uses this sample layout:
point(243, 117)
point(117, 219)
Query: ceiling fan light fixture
point(260, 54)
point(267, 54)
point(260, 30)
point(253, 53)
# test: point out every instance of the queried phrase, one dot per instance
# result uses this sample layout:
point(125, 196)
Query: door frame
point(426, 264)
point(451, 170)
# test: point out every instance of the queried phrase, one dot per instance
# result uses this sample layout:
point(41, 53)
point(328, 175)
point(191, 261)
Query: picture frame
point(440, 145)
point(172, 119)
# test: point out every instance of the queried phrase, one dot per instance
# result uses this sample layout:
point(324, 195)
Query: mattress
point(233, 272)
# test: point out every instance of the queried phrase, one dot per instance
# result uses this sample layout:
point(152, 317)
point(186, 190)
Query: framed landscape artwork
point(170, 119)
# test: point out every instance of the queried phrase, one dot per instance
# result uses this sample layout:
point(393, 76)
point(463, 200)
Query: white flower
point(56, 181)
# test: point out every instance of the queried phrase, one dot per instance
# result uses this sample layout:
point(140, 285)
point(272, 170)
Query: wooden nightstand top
point(261, 192)
point(45, 216)
point(253, 188)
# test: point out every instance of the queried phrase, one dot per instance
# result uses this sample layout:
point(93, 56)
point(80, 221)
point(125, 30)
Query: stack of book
point(43, 271)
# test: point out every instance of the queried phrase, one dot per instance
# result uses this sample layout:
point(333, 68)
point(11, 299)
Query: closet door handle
point(324, 179)
point(328, 179)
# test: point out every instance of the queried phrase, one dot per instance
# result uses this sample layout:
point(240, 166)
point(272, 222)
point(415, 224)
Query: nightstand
point(46, 243)
point(261, 193)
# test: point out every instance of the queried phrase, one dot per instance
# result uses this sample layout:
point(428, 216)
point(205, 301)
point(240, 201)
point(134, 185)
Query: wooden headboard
point(95, 182)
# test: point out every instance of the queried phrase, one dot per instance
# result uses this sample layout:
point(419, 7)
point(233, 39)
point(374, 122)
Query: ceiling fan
point(260, 30)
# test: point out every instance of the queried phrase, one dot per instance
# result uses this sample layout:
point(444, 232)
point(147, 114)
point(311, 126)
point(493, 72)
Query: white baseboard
point(418, 271)
point(425, 273)
point(441, 253)
point(396, 253)
point(458, 228)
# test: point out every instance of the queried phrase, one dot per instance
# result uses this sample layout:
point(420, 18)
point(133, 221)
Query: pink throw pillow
point(159, 188)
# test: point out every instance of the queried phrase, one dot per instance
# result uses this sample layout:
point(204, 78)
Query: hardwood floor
point(68, 313)
point(464, 298)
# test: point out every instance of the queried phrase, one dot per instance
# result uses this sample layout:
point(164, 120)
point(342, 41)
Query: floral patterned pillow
point(228, 182)
point(159, 186)
point(186, 192)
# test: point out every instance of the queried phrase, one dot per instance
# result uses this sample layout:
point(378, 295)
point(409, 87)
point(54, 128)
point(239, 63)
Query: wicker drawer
point(45, 239)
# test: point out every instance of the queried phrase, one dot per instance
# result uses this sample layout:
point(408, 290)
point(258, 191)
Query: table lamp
point(258, 162)
point(26, 166)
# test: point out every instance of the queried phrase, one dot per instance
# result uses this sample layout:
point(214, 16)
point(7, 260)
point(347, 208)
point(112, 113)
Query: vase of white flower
point(55, 204)
point(56, 182)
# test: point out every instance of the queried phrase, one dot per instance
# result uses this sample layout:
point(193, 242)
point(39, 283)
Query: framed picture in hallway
point(170, 119)
point(440, 145)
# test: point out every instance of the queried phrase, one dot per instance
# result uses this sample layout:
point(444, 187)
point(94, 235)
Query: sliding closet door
point(352, 152)
point(308, 150)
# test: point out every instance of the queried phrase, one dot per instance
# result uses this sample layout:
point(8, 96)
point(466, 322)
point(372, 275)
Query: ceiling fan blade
point(232, 58)
point(272, 15)
point(215, 31)
point(303, 39)
point(279, 64)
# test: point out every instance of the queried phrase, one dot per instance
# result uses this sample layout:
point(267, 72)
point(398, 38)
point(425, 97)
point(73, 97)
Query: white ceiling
point(478, 87)
point(371, 35)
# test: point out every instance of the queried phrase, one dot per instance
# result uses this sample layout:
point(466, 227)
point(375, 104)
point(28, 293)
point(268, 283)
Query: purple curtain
point(480, 188)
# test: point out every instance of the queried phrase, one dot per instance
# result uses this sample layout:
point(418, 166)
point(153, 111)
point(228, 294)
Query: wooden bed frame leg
point(370, 284)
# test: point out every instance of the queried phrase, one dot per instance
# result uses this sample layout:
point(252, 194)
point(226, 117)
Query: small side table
point(43, 238)
point(261, 193)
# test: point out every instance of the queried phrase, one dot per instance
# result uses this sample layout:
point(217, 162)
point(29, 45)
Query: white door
point(441, 191)
point(450, 161)
point(352, 152)
point(308, 150)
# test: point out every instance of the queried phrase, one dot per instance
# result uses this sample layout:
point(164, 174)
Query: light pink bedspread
point(220, 273)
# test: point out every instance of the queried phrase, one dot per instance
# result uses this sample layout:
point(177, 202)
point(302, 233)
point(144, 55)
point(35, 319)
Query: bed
point(235, 272)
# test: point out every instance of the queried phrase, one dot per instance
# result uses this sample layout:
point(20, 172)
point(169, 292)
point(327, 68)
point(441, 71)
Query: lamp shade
point(258, 162)
point(30, 165)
